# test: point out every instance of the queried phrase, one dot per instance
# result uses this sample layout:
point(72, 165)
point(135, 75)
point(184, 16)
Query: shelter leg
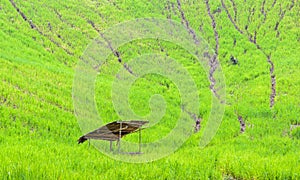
point(110, 146)
point(119, 145)
point(120, 136)
point(140, 141)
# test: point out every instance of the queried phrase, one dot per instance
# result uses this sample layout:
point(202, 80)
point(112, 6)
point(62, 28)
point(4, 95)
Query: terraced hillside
point(256, 43)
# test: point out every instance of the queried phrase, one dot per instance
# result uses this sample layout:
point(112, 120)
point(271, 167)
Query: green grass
point(39, 129)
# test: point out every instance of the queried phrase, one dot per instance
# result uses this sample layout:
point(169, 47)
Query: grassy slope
point(39, 130)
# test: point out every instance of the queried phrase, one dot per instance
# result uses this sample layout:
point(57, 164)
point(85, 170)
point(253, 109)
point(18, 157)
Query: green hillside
point(259, 136)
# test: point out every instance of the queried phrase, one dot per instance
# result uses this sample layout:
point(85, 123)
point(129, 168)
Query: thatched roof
point(114, 130)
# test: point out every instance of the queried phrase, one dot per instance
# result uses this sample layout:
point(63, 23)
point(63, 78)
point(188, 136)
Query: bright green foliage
point(38, 127)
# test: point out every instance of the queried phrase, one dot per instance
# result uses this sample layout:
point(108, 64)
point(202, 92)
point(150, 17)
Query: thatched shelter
point(114, 131)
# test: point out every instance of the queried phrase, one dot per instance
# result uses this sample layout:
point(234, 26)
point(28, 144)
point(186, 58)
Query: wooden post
point(120, 135)
point(140, 141)
point(110, 146)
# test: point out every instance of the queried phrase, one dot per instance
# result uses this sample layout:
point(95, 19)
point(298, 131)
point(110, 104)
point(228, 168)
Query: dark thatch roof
point(113, 131)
